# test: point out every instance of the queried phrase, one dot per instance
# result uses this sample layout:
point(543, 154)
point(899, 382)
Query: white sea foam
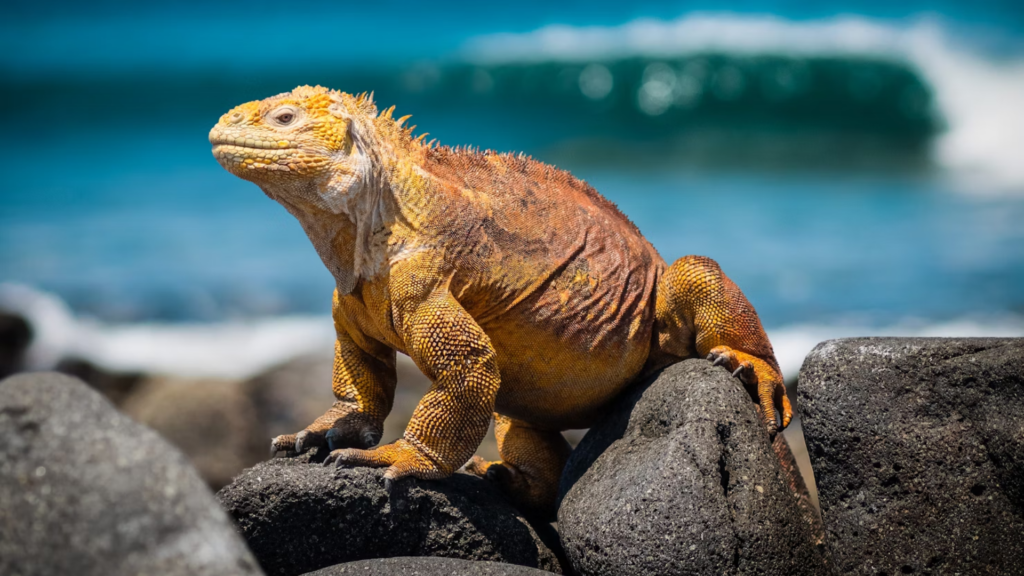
point(978, 98)
point(232, 349)
point(237, 349)
point(793, 343)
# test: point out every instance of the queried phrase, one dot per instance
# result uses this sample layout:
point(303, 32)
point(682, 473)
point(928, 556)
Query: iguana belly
point(552, 384)
point(571, 346)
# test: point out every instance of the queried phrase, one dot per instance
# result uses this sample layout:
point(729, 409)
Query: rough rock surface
point(85, 490)
point(299, 516)
point(682, 479)
point(918, 448)
point(425, 566)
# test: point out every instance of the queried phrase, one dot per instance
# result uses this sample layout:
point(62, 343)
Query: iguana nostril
point(235, 117)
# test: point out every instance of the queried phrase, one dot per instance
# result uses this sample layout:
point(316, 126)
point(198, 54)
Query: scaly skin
point(515, 287)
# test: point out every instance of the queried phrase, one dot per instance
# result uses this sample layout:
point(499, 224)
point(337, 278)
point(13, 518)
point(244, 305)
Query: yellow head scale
point(298, 133)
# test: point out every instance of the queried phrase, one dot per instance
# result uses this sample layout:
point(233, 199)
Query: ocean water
point(856, 168)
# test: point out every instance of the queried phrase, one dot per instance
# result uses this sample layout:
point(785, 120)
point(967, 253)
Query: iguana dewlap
point(515, 287)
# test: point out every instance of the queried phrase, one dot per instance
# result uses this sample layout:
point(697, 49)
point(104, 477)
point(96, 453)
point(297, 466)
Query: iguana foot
point(401, 457)
point(477, 465)
point(501, 473)
point(758, 375)
point(534, 497)
point(505, 475)
point(530, 467)
point(341, 427)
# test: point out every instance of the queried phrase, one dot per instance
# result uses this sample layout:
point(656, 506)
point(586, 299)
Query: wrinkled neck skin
point(347, 211)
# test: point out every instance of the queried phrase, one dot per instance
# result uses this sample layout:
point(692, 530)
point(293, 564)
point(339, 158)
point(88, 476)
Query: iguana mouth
point(241, 142)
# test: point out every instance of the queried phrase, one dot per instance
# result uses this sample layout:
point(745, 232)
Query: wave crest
point(978, 98)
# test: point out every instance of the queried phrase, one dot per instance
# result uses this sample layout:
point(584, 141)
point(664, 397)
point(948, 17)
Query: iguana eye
point(284, 116)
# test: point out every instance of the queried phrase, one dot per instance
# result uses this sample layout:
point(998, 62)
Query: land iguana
point(515, 287)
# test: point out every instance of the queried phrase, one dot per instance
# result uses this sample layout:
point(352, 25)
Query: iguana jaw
point(251, 153)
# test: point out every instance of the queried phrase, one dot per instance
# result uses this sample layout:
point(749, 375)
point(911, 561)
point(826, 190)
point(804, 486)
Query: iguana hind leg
point(531, 465)
point(701, 312)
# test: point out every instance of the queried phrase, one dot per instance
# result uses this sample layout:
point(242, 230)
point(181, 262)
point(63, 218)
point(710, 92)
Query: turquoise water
point(158, 241)
point(835, 184)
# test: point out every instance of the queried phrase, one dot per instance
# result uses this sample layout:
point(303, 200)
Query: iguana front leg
point(453, 351)
point(701, 312)
point(364, 385)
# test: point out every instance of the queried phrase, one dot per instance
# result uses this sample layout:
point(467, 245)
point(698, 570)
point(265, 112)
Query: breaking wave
point(921, 75)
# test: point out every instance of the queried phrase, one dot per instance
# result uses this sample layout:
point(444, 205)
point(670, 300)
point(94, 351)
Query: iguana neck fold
point(359, 201)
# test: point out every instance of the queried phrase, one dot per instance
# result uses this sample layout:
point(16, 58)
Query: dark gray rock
point(299, 516)
point(85, 490)
point(425, 566)
point(15, 337)
point(115, 386)
point(213, 422)
point(918, 449)
point(682, 479)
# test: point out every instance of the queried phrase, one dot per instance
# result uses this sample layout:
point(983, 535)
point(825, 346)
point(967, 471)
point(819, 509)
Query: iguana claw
point(305, 440)
point(343, 426)
point(745, 373)
point(763, 381)
point(283, 443)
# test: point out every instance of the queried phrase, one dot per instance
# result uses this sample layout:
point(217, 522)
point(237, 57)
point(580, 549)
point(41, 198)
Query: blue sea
point(857, 168)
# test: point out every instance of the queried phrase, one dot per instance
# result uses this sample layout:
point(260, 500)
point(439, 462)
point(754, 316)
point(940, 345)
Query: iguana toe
point(477, 465)
point(401, 457)
point(341, 427)
point(499, 474)
point(497, 471)
point(717, 359)
point(365, 437)
point(745, 372)
point(308, 439)
point(282, 443)
point(536, 499)
point(725, 357)
point(762, 380)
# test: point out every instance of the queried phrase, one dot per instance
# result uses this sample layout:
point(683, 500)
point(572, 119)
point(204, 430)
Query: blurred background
point(856, 167)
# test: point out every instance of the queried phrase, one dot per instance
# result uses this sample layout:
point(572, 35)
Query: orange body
point(517, 288)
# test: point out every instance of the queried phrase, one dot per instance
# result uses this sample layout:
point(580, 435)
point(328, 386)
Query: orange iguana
point(516, 288)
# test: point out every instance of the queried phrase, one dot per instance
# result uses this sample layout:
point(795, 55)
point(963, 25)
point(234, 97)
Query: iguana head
point(300, 147)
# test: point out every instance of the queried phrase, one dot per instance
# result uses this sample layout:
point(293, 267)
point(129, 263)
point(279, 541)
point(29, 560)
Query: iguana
point(515, 287)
